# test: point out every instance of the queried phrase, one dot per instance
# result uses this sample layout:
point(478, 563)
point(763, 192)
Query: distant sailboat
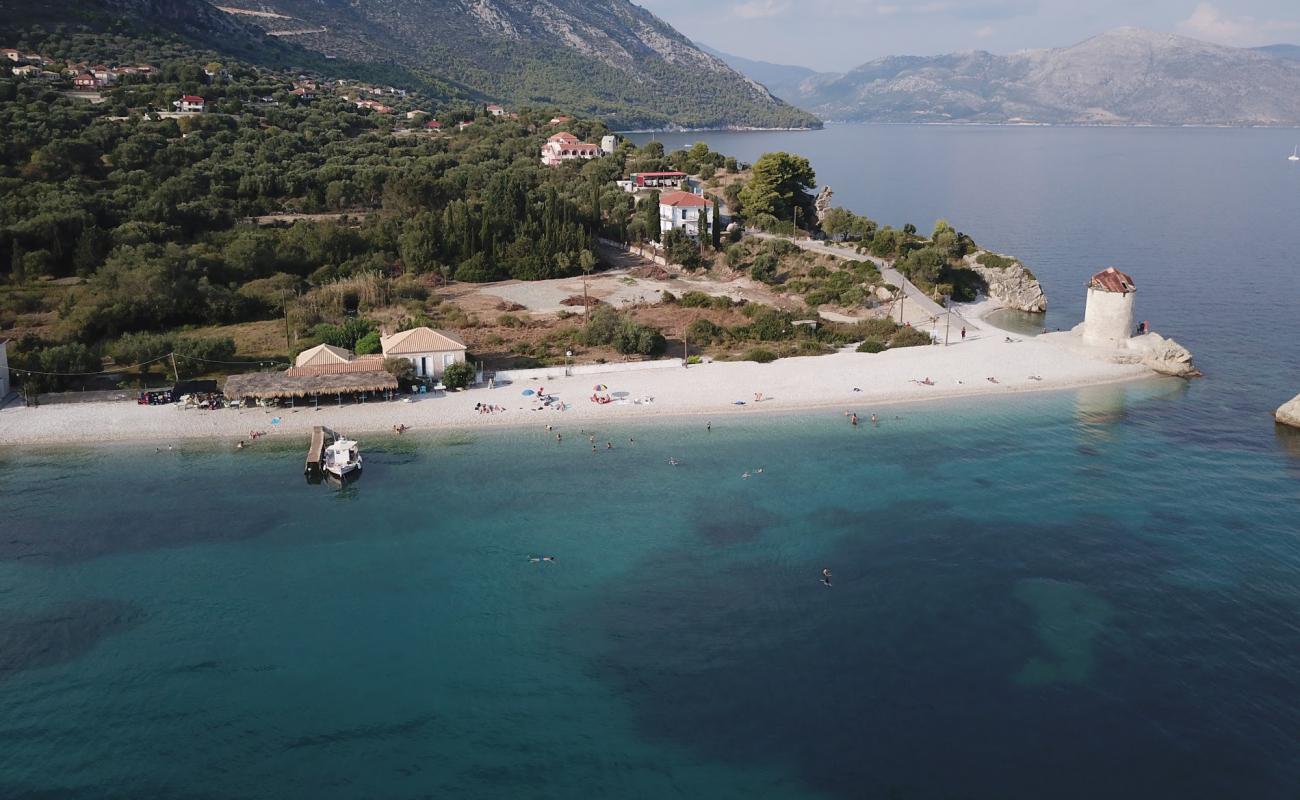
point(1295, 154)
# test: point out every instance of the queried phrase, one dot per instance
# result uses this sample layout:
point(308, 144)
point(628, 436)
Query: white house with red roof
point(683, 211)
point(374, 105)
point(189, 104)
point(496, 110)
point(564, 146)
point(87, 81)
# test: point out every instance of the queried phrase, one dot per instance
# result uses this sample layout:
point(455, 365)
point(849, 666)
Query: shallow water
point(1071, 595)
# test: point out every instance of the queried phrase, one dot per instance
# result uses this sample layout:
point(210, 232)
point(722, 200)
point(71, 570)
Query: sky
point(836, 35)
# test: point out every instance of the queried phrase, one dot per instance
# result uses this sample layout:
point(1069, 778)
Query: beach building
point(374, 105)
point(428, 350)
point(564, 146)
point(1108, 315)
point(189, 104)
point(683, 211)
point(322, 355)
point(320, 371)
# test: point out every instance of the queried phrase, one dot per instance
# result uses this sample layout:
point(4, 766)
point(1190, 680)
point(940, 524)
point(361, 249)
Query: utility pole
point(947, 302)
point(284, 306)
point(902, 295)
point(175, 375)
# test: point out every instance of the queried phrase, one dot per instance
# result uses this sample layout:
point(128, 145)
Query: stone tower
point(1108, 317)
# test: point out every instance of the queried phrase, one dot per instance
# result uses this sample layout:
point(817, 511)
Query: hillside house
point(375, 106)
point(189, 104)
point(428, 350)
point(87, 81)
point(684, 211)
point(433, 125)
point(560, 120)
point(12, 54)
point(104, 74)
point(26, 70)
point(416, 113)
point(565, 146)
point(496, 110)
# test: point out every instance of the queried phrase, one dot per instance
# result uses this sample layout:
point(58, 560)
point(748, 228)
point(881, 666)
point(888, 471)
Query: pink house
point(565, 146)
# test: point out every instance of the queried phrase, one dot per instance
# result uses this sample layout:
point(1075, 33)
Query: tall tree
point(779, 185)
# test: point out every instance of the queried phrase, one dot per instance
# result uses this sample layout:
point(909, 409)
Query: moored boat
point(342, 457)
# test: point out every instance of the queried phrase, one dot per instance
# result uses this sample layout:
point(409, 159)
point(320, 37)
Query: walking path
point(923, 312)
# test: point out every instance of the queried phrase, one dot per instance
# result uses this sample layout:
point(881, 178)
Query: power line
point(25, 371)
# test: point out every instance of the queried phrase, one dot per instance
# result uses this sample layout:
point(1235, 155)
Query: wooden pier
point(320, 435)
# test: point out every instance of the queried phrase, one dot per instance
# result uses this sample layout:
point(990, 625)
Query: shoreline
point(790, 385)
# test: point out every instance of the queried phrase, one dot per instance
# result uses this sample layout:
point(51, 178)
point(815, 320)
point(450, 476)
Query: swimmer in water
point(745, 475)
point(853, 418)
point(874, 419)
point(826, 576)
point(758, 471)
point(548, 559)
point(673, 461)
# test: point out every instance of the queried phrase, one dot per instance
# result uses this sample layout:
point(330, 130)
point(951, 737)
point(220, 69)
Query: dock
point(316, 450)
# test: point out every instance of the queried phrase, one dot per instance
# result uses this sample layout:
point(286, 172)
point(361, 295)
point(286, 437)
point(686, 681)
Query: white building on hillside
point(608, 144)
point(564, 146)
point(189, 104)
point(683, 211)
point(322, 355)
point(430, 351)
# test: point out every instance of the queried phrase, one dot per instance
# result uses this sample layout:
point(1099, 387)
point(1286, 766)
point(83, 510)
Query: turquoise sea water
point(1071, 595)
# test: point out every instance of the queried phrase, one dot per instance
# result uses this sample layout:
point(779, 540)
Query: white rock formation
point(1289, 412)
point(1011, 287)
point(1160, 355)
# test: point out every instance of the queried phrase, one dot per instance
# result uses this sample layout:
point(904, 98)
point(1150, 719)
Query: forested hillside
point(116, 220)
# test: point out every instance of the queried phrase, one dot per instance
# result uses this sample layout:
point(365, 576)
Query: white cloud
point(759, 9)
point(1208, 23)
point(984, 32)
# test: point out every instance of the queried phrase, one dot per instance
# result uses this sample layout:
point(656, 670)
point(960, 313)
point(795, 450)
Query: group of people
point(400, 428)
point(484, 408)
point(853, 418)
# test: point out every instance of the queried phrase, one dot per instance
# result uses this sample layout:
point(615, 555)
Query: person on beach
point(963, 333)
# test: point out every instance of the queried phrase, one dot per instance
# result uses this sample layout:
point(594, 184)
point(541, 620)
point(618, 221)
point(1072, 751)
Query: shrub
point(881, 328)
point(995, 261)
point(764, 269)
point(735, 255)
point(694, 360)
point(910, 337)
point(759, 354)
point(871, 345)
point(694, 299)
point(457, 375)
point(634, 338)
point(369, 344)
point(510, 321)
point(703, 330)
point(668, 298)
point(782, 247)
point(400, 368)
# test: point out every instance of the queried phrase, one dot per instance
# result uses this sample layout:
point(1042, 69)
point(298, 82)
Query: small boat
point(1295, 154)
point(342, 457)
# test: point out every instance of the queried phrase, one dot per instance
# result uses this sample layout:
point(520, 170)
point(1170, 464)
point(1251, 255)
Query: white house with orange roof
point(428, 350)
point(564, 146)
point(683, 211)
point(189, 104)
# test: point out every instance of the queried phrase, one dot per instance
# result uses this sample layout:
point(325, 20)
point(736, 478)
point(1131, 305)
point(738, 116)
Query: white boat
point(342, 457)
point(1295, 154)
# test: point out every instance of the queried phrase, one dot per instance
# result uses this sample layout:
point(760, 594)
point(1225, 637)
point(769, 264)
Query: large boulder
point(1161, 355)
point(1289, 412)
point(1011, 286)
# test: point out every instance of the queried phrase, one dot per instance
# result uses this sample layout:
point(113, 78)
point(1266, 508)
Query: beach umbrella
point(621, 394)
point(528, 392)
point(600, 387)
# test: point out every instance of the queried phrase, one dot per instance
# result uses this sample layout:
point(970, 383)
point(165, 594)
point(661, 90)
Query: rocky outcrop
point(822, 204)
point(1011, 286)
point(1289, 412)
point(1159, 354)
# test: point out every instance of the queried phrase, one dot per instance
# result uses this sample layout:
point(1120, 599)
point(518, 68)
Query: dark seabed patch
point(394, 730)
point(932, 645)
point(60, 634)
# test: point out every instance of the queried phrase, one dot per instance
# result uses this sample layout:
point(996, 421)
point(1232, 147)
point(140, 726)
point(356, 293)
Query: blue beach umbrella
point(528, 392)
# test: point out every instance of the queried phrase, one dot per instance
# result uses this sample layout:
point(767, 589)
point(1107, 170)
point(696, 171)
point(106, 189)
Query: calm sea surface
point(1076, 595)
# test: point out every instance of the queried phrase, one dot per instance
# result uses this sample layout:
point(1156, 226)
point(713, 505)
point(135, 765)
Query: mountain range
point(1126, 76)
point(611, 59)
